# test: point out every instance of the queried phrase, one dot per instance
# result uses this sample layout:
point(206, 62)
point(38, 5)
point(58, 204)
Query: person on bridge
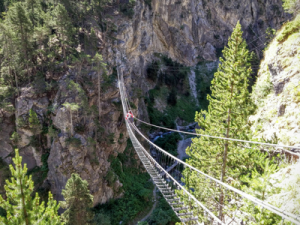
point(129, 117)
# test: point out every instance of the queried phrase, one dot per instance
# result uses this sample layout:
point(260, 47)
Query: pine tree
point(20, 23)
point(100, 67)
point(34, 8)
point(64, 27)
point(79, 61)
point(93, 40)
point(227, 115)
point(34, 122)
point(20, 207)
point(78, 202)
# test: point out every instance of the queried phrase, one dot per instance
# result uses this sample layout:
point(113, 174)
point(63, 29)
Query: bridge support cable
point(163, 180)
point(280, 147)
point(231, 191)
point(170, 187)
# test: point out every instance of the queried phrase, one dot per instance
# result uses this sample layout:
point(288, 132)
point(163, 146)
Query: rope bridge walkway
point(208, 201)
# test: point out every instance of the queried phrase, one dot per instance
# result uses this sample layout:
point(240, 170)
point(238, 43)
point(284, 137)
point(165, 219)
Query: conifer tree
point(20, 23)
point(34, 122)
point(93, 40)
point(34, 8)
point(78, 202)
point(20, 207)
point(64, 27)
point(100, 67)
point(229, 107)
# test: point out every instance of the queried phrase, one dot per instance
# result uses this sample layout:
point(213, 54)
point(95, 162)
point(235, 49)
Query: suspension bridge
point(198, 203)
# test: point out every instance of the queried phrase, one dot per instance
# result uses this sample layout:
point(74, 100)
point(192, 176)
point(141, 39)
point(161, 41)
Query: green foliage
point(289, 28)
point(4, 175)
point(78, 201)
point(270, 34)
point(93, 40)
point(262, 88)
point(148, 2)
point(39, 174)
point(111, 178)
point(102, 219)
point(162, 72)
point(173, 88)
point(109, 81)
point(52, 132)
point(258, 184)
point(142, 223)
point(185, 109)
point(163, 214)
point(128, 8)
point(204, 75)
point(169, 143)
point(136, 188)
point(34, 122)
point(172, 99)
point(15, 137)
point(20, 207)
point(74, 142)
point(229, 107)
point(34, 142)
point(6, 93)
point(291, 6)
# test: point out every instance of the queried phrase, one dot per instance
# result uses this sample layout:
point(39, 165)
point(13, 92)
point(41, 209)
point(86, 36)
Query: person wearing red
point(129, 117)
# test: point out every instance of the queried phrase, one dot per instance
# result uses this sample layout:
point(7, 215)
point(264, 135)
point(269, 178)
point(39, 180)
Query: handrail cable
point(175, 181)
point(223, 138)
point(247, 196)
point(136, 140)
point(243, 194)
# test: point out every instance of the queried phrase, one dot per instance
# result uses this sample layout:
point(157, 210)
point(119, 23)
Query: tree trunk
point(64, 55)
point(99, 92)
point(23, 200)
point(225, 158)
point(72, 132)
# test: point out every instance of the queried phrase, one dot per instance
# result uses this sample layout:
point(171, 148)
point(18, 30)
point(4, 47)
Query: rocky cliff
point(188, 31)
point(277, 92)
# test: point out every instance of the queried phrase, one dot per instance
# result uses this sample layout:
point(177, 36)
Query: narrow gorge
point(167, 51)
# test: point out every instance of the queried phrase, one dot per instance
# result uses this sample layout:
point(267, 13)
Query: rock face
point(277, 93)
point(185, 30)
point(189, 30)
point(88, 160)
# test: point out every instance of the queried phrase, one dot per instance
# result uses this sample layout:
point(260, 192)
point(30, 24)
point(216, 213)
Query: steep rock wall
point(277, 93)
point(185, 30)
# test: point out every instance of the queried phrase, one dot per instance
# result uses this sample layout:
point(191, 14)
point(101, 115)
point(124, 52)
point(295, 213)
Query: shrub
point(111, 177)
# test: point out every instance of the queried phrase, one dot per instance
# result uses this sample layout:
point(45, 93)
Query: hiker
point(129, 117)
